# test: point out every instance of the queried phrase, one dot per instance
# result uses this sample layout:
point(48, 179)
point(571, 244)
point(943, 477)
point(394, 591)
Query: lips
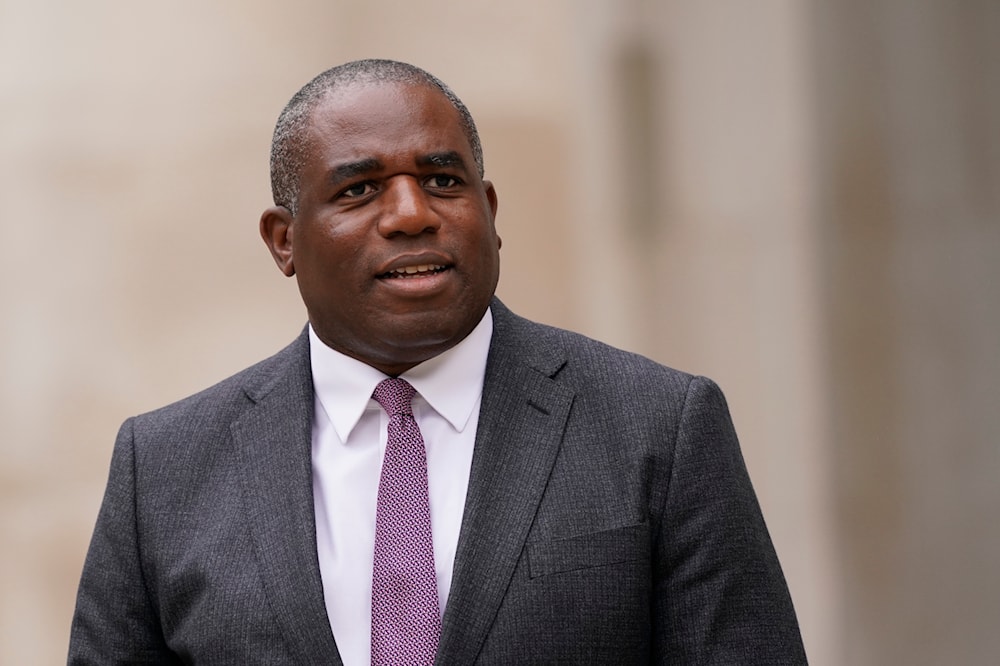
point(414, 271)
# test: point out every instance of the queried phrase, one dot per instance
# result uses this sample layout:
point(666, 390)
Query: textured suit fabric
point(609, 519)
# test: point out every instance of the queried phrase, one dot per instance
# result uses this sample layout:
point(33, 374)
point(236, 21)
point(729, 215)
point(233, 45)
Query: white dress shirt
point(348, 442)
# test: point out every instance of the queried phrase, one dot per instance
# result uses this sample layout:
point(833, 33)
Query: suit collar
point(522, 421)
point(273, 440)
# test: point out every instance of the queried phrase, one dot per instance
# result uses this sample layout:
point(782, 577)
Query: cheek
point(325, 273)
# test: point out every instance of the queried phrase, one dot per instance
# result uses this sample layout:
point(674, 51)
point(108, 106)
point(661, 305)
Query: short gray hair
point(288, 146)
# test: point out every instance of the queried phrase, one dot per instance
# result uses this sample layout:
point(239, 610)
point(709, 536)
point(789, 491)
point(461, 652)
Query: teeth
point(411, 270)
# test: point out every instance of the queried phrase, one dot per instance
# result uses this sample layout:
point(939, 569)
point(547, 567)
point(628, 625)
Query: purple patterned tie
point(406, 624)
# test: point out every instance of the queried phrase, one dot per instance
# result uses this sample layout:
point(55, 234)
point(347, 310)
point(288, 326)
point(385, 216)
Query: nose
point(407, 209)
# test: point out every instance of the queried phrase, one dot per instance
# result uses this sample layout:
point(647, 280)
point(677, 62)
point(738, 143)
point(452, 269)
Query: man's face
point(393, 245)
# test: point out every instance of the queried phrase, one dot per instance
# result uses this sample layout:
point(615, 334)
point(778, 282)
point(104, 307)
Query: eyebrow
point(444, 159)
point(349, 170)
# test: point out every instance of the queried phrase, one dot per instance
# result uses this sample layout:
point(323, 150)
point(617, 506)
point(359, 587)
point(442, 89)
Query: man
point(564, 501)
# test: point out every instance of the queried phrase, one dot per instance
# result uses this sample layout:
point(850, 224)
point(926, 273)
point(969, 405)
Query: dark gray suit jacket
point(609, 519)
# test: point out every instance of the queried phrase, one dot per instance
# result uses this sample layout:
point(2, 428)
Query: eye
point(442, 181)
point(358, 190)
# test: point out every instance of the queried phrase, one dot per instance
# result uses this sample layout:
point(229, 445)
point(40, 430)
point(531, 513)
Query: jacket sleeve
point(115, 621)
point(719, 593)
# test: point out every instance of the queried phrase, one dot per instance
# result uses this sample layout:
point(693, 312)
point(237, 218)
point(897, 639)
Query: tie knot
point(394, 395)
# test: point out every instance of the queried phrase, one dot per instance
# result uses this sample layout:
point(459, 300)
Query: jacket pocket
point(584, 551)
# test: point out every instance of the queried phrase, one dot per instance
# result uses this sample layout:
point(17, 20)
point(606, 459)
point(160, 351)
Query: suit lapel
point(522, 420)
point(273, 439)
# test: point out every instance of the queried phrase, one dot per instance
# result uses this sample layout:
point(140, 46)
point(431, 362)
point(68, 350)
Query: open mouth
point(422, 270)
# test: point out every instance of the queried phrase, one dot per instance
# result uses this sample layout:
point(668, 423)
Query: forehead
point(364, 119)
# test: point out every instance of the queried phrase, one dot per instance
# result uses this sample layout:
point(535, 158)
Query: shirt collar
point(451, 382)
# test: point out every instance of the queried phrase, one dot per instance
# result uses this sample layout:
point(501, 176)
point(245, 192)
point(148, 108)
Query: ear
point(276, 226)
point(491, 197)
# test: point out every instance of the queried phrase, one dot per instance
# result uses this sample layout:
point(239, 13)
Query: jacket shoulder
point(570, 356)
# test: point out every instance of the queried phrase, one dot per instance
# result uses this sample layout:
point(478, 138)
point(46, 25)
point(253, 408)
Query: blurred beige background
point(800, 199)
